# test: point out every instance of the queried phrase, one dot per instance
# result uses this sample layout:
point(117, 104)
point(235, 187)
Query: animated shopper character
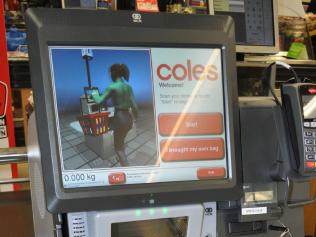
point(123, 100)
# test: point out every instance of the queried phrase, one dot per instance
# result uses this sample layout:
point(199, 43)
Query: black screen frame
point(54, 27)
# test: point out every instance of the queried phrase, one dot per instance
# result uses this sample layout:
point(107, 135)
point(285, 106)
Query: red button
point(192, 149)
point(3, 99)
point(211, 173)
point(117, 178)
point(310, 165)
point(190, 124)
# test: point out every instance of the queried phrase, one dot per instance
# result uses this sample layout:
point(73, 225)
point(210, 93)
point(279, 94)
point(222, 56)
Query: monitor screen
point(309, 109)
point(128, 115)
point(254, 18)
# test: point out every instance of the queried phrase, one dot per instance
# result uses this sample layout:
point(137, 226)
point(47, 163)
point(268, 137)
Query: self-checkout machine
point(196, 125)
point(193, 186)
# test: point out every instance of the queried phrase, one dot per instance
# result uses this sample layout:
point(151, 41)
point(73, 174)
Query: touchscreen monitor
point(134, 112)
point(162, 116)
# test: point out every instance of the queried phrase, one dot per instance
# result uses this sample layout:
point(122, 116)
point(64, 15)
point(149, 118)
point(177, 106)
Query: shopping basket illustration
point(95, 124)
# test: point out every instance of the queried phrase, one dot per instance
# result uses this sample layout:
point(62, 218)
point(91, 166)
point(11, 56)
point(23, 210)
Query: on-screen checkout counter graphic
point(139, 115)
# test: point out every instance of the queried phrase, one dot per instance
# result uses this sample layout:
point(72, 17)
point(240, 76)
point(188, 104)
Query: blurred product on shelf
point(90, 4)
point(187, 7)
point(311, 19)
point(295, 37)
point(15, 38)
point(29, 108)
point(20, 53)
point(105, 4)
point(14, 19)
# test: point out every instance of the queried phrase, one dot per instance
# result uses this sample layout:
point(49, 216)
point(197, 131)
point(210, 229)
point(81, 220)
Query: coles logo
point(3, 99)
point(187, 71)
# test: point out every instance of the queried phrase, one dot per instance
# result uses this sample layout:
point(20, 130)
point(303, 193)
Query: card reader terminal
point(299, 100)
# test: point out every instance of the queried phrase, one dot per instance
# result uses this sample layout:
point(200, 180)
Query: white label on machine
point(77, 224)
point(254, 211)
point(209, 220)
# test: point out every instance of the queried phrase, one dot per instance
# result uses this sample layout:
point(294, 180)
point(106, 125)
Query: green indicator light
point(138, 213)
point(152, 212)
point(165, 211)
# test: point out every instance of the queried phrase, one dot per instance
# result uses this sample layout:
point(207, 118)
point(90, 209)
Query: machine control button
point(313, 124)
point(309, 149)
point(308, 134)
point(310, 165)
point(176, 124)
point(117, 178)
point(211, 173)
point(172, 150)
point(310, 157)
point(307, 124)
point(309, 142)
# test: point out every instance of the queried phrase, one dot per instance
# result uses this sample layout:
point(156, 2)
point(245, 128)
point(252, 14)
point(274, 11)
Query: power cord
point(268, 69)
point(284, 229)
point(286, 66)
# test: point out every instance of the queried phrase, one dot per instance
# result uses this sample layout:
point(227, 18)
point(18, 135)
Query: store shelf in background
point(17, 156)
point(20, 74)
point(20, 100)
point(250, 73)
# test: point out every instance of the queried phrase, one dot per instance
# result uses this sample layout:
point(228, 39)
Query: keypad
point(310, 147)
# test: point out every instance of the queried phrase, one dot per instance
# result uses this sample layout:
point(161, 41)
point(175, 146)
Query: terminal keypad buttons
point(310, 146)
point(309, 149)
point(307, 124)
point(308, 134)
point(310, 157)
point(309, 142)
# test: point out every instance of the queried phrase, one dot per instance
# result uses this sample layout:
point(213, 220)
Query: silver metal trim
point(13, 181)
point(13, 155)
